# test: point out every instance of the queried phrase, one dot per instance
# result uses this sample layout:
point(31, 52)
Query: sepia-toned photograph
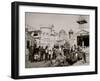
point(56, 40)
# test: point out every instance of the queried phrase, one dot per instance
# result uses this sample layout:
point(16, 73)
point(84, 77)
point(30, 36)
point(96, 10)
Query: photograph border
point(15, 39)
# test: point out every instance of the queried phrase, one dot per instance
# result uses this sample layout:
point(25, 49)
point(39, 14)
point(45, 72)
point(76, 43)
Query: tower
point(83, 34)
point(82, 21)
point(70, 33)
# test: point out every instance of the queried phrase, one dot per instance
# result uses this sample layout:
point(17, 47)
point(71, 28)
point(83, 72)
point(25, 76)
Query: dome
point(62, 32)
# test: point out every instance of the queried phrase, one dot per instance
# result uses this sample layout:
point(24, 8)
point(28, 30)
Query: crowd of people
point(59, 53)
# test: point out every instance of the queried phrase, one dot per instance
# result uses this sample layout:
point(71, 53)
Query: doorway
point(83, 40)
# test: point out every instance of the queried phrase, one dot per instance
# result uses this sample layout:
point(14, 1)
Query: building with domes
point(62, 37)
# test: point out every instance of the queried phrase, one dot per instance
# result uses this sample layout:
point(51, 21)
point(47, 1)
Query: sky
point(60, 21)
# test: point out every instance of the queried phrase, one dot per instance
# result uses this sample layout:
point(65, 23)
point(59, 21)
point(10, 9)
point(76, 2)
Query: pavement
point(37, 64)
